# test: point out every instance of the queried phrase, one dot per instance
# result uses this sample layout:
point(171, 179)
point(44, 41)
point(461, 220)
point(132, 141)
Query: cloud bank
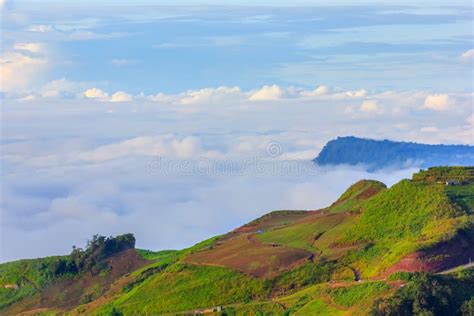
point(178, 168)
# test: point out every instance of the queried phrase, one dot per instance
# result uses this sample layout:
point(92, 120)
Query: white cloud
point(369, 106)
point(267, 93)
point(210, 94)
point(61, 87)
point(153, 146)
point(336, 93)
point(161, 97)
point(299, 155)
point(78, 208)
point(147, 146)
point(319, 91)
point(22, 66)
point(28, 97)
point(353, 94)
point(185, 148)
point(121, 96)
point(18, 70)
point(30, 47)
point(40, 28)
point(470, 120)
point(429, 129)
point(437, 102)
point(95, 93)
point(467, 55)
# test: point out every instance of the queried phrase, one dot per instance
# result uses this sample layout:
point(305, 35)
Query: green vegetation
point(275, 220)
point(254, 308)
point(430, 295)
point(161, 261)
point(208, 243)
point(23, 278)
point(306, 274)
point(302, 234)
point(467, 308)
point(186, 287)
point(353, 199)
point(282, 214)
point(394, 221)
point(35, 272)
point(92, 259)
point(9, 296)
point(318, 256)
point(445, 174)
point(401, 212)
point(400, 275)
point(213, 286)
point(350, 296)
point(462, 195)
point(156, 255)
point(318, 307)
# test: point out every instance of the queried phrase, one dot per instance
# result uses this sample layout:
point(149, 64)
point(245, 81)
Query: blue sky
point(149, 48)
point(121, 116)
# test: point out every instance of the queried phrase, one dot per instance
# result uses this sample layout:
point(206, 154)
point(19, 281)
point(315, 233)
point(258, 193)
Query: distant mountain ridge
point(378, 154)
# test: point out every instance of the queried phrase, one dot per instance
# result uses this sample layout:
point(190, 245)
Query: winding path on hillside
point(458, 268)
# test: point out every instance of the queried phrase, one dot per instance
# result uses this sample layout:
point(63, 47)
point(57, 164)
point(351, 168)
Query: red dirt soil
point(247, 254)
point(368, 193)
point(443, 256)
point(273, 220)
point(68, 293)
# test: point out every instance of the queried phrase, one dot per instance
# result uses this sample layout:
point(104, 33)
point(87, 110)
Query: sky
point(179, 121)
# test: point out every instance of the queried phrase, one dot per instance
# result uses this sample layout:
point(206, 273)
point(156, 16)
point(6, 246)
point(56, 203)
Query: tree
point(424, 295)
point(467, 308)
point(93, 258)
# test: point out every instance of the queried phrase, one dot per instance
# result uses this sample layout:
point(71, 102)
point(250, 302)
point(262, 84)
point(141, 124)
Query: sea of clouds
point(229, 119)
point(176, 169)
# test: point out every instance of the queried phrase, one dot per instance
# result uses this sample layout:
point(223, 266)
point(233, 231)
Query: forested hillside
point(377, 154)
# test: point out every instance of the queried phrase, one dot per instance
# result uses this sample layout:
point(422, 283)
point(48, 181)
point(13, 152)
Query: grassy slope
point(352, 200)
point(188, 287)
point(316, 233)
point(342, 299)
point(398, 221)
point(318, 307)
point(192, 287)
point(394, 222)
point(30, 275)
point(247, 254)
point(348, 297)
point(401, 215)
point(302, 235)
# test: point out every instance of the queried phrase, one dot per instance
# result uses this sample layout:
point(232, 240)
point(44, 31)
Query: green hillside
point(401, 250)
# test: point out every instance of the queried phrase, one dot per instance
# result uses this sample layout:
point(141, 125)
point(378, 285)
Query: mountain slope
point(377, 154)
point(351, 257)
